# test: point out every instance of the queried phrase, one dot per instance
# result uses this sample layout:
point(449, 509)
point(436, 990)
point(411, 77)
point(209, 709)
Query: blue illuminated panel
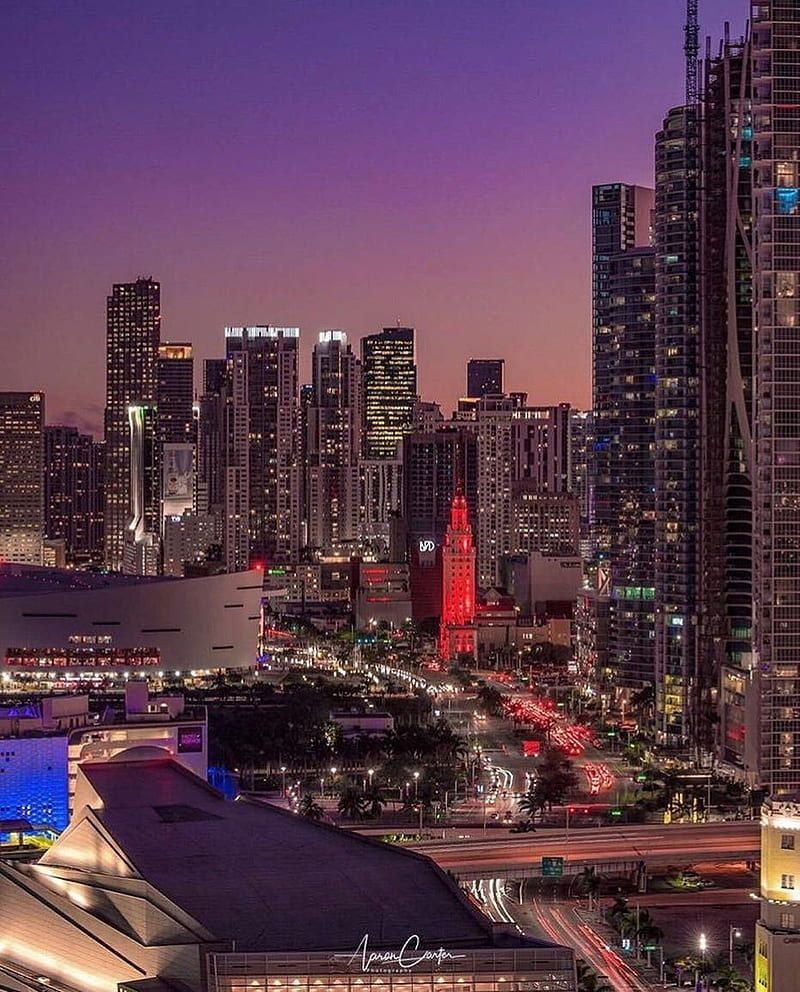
point(33, 780)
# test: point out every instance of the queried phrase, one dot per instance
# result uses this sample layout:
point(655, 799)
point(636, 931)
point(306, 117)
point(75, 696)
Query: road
point(656, 844)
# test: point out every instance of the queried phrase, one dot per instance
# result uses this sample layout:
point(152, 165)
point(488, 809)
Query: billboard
point(177, 479)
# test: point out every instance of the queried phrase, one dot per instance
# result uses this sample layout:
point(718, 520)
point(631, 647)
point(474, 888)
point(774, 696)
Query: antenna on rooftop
point(691, 48)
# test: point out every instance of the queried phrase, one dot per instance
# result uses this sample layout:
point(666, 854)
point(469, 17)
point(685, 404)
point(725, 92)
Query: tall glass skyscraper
point(775, 759)
point(389, 384)
point(133, 330)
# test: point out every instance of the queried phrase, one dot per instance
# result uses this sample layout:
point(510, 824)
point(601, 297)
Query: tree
point(490, 699)
point(556, 778)
point(589, 882)
point(352, 803)
point(309, 808)
point(531, 802)
point(588, 980)
point(374, 801)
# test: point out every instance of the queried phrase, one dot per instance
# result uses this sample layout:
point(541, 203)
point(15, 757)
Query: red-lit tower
point(457, 632)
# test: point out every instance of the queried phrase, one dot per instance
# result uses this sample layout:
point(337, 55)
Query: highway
point(656, 844)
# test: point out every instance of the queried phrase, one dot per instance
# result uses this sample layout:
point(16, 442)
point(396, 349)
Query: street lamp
point(322, 786)
point(703, 943)
point(370, 773)
point(283, 780)
point(416, 784)
point(733, 932)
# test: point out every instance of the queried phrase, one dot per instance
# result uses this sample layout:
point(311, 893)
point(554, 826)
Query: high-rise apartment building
point(133, 329)
point(725, 558)
point(485, 377)
point(175, 393)
point(21, 477)
point(274, 419)
point(580, 433)
point(622, 478)
point(542, 447)
point(73, 494)
point(381, 491)
point(544, 521)
point(389, 390)
point(234, 421)
point(775, 755)
point(677, 330)
point(333, 446)
point(496, 435)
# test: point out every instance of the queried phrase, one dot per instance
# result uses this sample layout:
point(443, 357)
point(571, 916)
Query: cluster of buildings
point(694, 559)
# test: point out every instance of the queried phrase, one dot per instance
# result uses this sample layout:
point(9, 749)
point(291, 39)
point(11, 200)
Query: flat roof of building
point(270, 880)
point(31, 580)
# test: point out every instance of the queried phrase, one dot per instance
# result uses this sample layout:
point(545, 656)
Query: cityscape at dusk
point(400, 496)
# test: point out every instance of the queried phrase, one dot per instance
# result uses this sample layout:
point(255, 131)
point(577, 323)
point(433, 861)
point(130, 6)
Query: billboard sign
point(177, 479)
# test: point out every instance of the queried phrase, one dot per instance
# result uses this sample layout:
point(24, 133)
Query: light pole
point(322, 786)
point(733, 932)
point(283, 781)
point(416, 785)
point(703, 942)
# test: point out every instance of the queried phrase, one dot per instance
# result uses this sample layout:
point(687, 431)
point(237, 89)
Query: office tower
point(621, 217)
point(725, 624)
point(381, 486)
point(21, 477)
point(133, 327)
point(389, 390)
point(457, 631)
point(543, 521)
point(333, 446)
point(73, 489)
point(175, 393)
point(542, 446)
point(580, 434)
point(188, 538)
point(776, 285)
point(434, 465)
point(274, 473)
point(234, 418)
point(485, 377)
point(141, 553)
point(677, 422)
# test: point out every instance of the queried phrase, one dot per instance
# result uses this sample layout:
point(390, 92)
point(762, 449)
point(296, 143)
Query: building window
point(787, 921)
point(787, 842)
point(787, 881)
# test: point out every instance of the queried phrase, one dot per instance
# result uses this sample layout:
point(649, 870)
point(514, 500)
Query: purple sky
point(327, 163)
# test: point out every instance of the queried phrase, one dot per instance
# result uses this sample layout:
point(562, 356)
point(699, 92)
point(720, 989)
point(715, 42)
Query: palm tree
point(728, 979)
point(618, 911)
point(589, 882)
point(309, 808)
point(588, 980)
point(531, 802)
point(351, 803)
point(374, 801)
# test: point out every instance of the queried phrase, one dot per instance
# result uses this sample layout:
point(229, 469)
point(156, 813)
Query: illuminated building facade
point(142, 548)
point(725, 583)
point(457, 630)
point(543, 521)
point(485, 377)
point(381, 482)
point(22, 519)
point(175, 393)
point(133, 331)
point(496, 435)
point(333, 446)
point(389, 390)
point(776, 284)
point(273, 438)
point(777, 942)
point(73, 494)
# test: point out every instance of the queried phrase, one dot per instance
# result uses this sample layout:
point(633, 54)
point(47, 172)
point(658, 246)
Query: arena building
point(60, 621)
point(159, 885)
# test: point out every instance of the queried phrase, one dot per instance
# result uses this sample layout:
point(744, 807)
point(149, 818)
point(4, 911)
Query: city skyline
point(245, 238)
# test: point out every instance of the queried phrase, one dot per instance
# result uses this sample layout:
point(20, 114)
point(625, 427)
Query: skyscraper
point(274, 424)
point(495, 432)
point(457, 631)
point(141, 553)
point(776, 254)
point(234, 422)
point(133, 328)
point(73, 494)
point(725, 579)
point(485, 377)
point(333, 446)
point(389, 390)
point(542, 445)
point(677, 330)
point(21, 477)
point(175, 393)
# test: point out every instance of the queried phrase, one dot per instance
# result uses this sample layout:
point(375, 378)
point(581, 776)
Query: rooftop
point(266, 878)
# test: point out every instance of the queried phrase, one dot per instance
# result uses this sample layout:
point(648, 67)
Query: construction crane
point(691, 49)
